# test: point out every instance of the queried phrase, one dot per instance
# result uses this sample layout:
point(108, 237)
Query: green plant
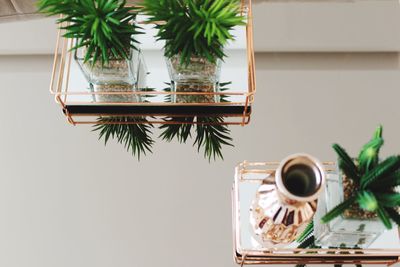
point(104, 28)
point(131, 132)
point(210, 133)
point(374, 182)
point(194, 27)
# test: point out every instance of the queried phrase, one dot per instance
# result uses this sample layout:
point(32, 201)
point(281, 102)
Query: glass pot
point(355, 228)
point(118, 75)
point(199, 75)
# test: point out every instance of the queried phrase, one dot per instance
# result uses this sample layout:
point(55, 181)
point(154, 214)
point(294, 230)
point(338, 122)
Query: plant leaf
point(339, 209)
point(386, 167)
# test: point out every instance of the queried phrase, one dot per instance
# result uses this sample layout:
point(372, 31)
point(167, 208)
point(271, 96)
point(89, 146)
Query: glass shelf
point(152, 98)
point(248, 178)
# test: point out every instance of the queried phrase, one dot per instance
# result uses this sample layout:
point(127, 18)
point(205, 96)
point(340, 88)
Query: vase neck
point(299, 178)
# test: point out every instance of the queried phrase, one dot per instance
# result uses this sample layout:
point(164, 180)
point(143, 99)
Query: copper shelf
point(76, 100)
point(248, 176)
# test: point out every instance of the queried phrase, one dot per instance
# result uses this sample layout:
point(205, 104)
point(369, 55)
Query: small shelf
point(78, 100)
point(247, 251)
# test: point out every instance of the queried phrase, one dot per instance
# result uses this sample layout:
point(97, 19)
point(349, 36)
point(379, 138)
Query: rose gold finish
point(255, 172)
point(61, 74)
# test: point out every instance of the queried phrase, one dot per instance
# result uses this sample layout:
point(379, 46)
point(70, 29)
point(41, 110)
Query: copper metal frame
point(61, 75)
point(295, 256)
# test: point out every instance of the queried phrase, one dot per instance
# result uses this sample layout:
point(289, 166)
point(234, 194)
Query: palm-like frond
point(212, 134)
point(104, 27)
point(210, 138)
point(179, 128)
point(131, 132)
point(194, 27)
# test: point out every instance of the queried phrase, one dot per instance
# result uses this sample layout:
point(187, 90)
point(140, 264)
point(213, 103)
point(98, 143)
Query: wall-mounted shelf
point(79, 103)
point(248, 177)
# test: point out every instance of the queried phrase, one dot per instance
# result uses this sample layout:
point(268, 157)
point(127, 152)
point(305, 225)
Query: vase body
point(199, 76)
point(113, 79)
point(354, 228)
point(283, 206)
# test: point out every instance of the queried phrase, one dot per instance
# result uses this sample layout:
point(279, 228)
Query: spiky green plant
point(194, 27)
point(104, 28)
point(131, 132)
point(374, 182)
point(210, 133)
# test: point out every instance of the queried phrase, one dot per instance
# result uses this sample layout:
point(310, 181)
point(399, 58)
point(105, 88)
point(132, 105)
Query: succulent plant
point(131, 132)
point(374, 182)
point(194, 27)
point(210, 133)
point(105, 28)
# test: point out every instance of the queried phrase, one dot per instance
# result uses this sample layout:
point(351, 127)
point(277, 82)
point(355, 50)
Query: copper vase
point(286, 203)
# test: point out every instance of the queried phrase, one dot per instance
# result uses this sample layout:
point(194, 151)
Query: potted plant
point(133, 133)
point(104, 43)
point(210, 132)
point(195, 34)
point(364, 201)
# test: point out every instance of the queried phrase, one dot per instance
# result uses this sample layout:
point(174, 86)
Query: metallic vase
point(286, 203)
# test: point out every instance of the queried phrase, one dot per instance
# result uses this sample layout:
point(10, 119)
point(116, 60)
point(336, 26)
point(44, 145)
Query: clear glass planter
point(118, 75)
point(353, 228)
point(200, 75)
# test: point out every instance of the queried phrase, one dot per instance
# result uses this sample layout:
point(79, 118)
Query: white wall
point(66, 200)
